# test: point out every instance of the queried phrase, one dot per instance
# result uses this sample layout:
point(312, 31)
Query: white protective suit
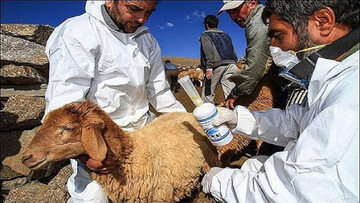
point(90, 58)
point(320, 162)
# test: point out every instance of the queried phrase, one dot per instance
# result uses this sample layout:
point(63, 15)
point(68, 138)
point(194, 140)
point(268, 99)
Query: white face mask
point(287, 60)
point(283, 59)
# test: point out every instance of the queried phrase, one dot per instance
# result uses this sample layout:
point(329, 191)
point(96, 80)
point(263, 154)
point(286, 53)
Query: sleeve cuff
point(246, 121)
point(235, 93)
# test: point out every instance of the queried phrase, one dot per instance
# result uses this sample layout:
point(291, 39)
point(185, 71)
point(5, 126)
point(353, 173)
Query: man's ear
point(206, 26)
point(323, 21)
point(92, 138)
point(109, 3)
point(252, 4)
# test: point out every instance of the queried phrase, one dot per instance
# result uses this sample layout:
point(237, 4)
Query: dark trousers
point(172, 77)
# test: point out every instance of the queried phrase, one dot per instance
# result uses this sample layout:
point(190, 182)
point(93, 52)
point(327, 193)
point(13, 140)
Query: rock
point(28, 90)
point(21, 112)
point(12, 147)
point(19, 51)
point(8, 174)
point(2, 105)
point(22, 51)
point(20, 75)
point(57, 186)
point(27, 193)
point(35, 33)
point(35, 191)
point(11, 184)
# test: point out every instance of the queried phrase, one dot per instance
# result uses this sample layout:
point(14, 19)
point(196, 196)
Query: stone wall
point(24, 76)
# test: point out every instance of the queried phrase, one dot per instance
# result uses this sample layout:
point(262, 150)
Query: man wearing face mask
point(107, 56)
point(320, 162)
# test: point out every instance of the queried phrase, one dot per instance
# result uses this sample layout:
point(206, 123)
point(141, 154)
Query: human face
point(130, 15)
point(283, 35)
point(241, 13)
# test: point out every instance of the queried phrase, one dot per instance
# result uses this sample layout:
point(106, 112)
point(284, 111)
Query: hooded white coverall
point(90, 58)
point(320, 162)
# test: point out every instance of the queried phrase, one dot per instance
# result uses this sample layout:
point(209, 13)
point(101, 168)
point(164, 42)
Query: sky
point(176, 25)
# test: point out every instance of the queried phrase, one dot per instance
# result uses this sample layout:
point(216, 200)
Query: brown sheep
point(196, 75)
point(161, 162)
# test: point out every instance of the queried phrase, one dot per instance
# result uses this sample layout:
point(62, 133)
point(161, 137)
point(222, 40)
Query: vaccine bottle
point(205, 114)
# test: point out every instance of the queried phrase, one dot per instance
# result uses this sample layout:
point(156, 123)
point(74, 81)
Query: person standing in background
point(247, 14)
point(218, 59)
point(172, 72)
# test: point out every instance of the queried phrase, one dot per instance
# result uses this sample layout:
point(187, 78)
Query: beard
point(305, 42)
point(127, 26)
point(240, 22)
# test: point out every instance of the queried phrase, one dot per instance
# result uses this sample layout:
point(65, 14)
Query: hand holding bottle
point(227, 117)
point(205, 114)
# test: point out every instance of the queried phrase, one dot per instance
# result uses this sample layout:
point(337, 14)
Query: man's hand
point(209, 74)
point(226, 116)
point(229, 102)
point(206, 181)
point(100, 167)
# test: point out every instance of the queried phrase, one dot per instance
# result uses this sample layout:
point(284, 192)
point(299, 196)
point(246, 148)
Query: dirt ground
point(183, 61)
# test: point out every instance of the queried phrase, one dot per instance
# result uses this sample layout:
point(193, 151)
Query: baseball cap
point(229, 5)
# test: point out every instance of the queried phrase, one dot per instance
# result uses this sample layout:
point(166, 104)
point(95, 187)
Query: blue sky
point(177, 25)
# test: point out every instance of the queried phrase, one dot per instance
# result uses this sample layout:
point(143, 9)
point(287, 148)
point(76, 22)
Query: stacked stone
point(24, 76)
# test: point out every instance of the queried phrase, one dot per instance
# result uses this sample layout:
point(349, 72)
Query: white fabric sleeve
point(71, 70)
point(157, 88)
point(274, 126)
point(321, 166)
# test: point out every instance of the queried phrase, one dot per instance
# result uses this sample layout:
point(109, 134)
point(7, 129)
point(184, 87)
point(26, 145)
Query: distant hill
point(183, 61)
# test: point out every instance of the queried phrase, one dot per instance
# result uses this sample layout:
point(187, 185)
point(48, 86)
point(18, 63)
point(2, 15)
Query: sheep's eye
point(67, 129)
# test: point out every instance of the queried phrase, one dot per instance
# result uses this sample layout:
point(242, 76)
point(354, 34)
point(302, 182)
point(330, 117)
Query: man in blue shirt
point(171, 72)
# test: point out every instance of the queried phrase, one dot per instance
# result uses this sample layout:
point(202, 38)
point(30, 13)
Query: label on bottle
point(205, 114)
point(219, 136)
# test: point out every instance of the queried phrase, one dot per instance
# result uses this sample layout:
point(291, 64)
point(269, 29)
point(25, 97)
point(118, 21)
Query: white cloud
point(199, 14)
point(169, 24)
point(187, 17)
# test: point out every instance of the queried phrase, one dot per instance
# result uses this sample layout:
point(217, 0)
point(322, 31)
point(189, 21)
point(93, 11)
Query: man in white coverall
point(107, 56)
point(320, 162)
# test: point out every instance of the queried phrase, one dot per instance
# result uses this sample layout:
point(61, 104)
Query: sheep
point(163, 161)
point(196, 75)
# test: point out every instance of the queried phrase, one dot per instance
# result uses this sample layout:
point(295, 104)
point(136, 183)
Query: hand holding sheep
point(100, 167)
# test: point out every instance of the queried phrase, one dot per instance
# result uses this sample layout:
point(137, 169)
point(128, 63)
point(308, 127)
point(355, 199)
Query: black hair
point(257, 1)
point(167, 61)
point(212, 21)
point(297, 12)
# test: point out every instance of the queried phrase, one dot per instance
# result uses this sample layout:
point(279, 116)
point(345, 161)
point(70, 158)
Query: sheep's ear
point(92, 139)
